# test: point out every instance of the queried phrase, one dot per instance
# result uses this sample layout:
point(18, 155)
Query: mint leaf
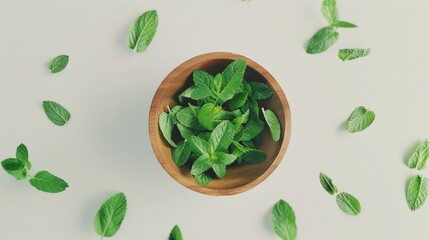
point(420, 156)
point(175, 234)
point(232, 78)
point(417, 191)
point(322, 40)
point(327, 184)
point(46, 182)
point(329, 11)
point(217, 83)
point(56, 113)
point(343, 24)
point(181, 153)
point(110, 215)
point(207, 114)
point(238, 100)
point(187, 93)
point(22, 155)
point(203, 179)
point(260, 91)
point(201, 165)
point(203, 79)
point(142, 31)
point(251, 129)
point(360, 119)
point(15, 167)
point(166, 125)
point(254, 156)
point(222, 136)
point(188, 117)
point(283, 218)
point(58, 63)
point(273, 124)
point(350, 54)
point(348, 203)
point(200, 93)
point(199, 146)
point(184, 131)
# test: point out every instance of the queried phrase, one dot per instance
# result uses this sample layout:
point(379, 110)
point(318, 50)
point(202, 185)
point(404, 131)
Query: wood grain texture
point(238, 178)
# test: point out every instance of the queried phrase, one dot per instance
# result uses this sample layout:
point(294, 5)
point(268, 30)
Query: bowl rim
point(153, 123)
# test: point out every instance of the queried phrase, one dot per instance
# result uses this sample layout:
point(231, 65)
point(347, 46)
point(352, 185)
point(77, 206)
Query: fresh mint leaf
point(348, 203)
point(110, 215)
point(329, 11)
point(322, 40)
point(184, 131)
point(273, 124)
point(420, 156)
point(238, 100)
point(175, 234)
point(222, 136)
point(251, 129)
point(283, 218)
point(181, 153)
point(327, 184)
point(217, 82)
point(200, 93)
point(166, 125)
point(232, 78)
point(344, 24)
point(200, 146)
point(188, 118)
point(260, 91)
point(203, 179)
point(58, 63)
point(56, 113)
point(142, 31)
point(207, 114)
point(417, 191)
point(350, 54)
point(47, 182)
point(22, 155)
point(254, 156)
point(187, 93)
point(15, 167)
point(201, 165)
point(360, 119)
point(203, 79)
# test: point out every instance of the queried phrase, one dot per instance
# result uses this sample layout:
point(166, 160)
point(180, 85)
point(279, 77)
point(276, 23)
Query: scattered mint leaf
point(110, 215)
point(360, 119)
point(142, 31)
point(327, 184)
point(417, 191)
point(203, 179)
point(166, 124)
point(344, 24)
point(58, 63)
point(175, 234)
point(15, 168)
point(46, 182)
point(56, 113)
point(420, 156)
point(348, 203)
point(273, 124)
point(329, 11)
point(350, 54)
point(322, 40)
point(22, 156)
point(283, 218)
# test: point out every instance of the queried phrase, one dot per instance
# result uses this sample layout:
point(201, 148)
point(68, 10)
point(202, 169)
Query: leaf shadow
point(122, 38)
point(410, 152)
point(343, 126)
point(268, 221)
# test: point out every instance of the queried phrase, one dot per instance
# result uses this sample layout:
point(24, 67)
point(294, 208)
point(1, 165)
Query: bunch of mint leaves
point(219, 122)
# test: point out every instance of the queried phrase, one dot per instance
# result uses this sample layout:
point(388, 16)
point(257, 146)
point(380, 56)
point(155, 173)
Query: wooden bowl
point(238, 178)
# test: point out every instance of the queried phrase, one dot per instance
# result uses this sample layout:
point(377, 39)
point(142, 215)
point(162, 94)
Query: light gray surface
point(108, 89)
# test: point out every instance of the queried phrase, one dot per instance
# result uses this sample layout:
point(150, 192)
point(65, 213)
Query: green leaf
point(110, 215)
point(283, 218)
point(322, 40)
point(207, 114)
point(348, 203)
point(260, 91)
point(222, 136)
point(199, 146)
point(142, 31)
point(251, 129)
point(420, 156)
point(239, 149)
point(329, 11)
point(344, 24)
point(353, 53)
point(232, 77)
point(187, 93)
point(200, 93)
point(254, 156)
point(184, 131)
point(219, 169)
point(217, 83)
point(58, 63)
point(203, 179)
point(203, 79)
point(175, 234)
point(188, 117)
point(201, 165)
point(238, 100)
point(181, 153)
point(360, 119)
point(253, 106)
point(417, 191)
point(273, 124)
point(56, 113)
point(166, 125)
point(327, 184)
point(47, 182)
point(15, 168)
point(223, 158)
point(22, 155)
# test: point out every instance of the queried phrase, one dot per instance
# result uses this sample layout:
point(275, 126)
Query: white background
point(108, 89)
